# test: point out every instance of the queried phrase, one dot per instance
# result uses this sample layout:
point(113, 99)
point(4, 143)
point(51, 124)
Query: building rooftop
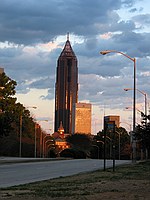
point(67, 51)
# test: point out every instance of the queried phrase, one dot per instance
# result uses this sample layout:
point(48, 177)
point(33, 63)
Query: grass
point(135, 176)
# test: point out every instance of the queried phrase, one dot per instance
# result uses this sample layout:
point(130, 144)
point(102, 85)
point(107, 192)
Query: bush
point(52, 153)
point(73, 153)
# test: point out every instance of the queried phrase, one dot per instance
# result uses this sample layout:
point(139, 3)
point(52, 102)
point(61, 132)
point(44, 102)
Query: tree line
point(12, 113)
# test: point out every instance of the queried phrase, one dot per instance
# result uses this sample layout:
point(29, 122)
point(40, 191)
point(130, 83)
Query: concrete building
point(114, 118)
point(66, 88)
point(82, 118)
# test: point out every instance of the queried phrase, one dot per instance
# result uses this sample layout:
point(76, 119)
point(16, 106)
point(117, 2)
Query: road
point(21, 173)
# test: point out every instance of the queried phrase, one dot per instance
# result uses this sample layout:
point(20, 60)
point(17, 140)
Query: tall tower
point(66, 88)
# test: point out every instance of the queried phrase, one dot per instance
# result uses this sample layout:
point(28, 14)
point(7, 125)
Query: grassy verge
point(127, 182)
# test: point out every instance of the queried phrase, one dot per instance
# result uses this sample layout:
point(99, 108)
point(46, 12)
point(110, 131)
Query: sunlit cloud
point(48, 46)
point(106, 36)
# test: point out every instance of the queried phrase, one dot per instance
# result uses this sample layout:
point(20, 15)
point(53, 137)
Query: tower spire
point(68, 36)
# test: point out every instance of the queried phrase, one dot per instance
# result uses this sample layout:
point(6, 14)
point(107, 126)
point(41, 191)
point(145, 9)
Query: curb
point(27, 160)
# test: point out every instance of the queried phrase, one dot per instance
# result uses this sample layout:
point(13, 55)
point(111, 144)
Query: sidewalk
point(11, 160)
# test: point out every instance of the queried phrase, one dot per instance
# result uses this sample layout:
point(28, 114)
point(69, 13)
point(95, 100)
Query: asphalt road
point(27, 172)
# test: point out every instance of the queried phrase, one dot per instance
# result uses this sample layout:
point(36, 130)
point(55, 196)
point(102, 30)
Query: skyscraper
point(66, 88)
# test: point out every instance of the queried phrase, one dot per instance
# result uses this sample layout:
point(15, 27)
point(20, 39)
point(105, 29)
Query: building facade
point(114, 118)
point(82, 118)
point(66, 88)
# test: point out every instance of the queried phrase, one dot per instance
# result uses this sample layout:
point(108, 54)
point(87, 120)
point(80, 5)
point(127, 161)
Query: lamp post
point(41, 138)
point(20, 139)
point(118, 143)
point(130, 135)
point(20, 132)
point(134, 92)
point(145, 98)
point(97, 150)
point(129, 107)
point(47, 135)
point(46, 146)
point(110, 145)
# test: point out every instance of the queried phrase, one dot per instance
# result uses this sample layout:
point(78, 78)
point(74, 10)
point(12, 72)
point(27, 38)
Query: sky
point(33, 34)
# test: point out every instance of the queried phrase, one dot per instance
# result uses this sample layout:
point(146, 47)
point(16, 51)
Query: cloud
point(33, 21)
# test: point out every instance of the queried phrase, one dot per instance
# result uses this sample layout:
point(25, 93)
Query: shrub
point(73, 153)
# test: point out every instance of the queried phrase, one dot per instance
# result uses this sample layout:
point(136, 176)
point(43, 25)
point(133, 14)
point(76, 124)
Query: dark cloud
point(32, 21)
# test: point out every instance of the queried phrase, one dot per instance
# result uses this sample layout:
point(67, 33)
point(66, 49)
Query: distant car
point(73, 153)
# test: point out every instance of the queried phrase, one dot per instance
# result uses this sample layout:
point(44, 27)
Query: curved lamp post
point(145, 97)
point(129, 107)
point(97, 150)
point(134, 91)
point(41, 138)
point(43, 145)
point(20, 132)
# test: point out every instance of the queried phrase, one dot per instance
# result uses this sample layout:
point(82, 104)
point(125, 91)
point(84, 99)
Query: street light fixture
point(134, 92)
point(36, 123)
point(145, 97)
point(47, 135)
point(129, 107)
point(110, 139)
point(119, 143)
point(46, 146)
point(97, 150)
point(20, 131)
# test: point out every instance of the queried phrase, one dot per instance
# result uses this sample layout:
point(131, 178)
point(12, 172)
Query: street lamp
point(97, 150)
point(20, 131)
point(119, 142)
point(47, 135)
point(110, 139)
point(46, 146)
point(134, 91)
point(129, 107)
point(145, 97)
point(41, 138)
point(130, 134)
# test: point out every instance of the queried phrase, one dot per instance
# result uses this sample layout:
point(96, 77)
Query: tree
point(80, 142)
point(97, 150)
point(13, 116)
point(123, 144)
point(12, 111)
point(120, 139)
point(142, 134)
point(7, 103)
